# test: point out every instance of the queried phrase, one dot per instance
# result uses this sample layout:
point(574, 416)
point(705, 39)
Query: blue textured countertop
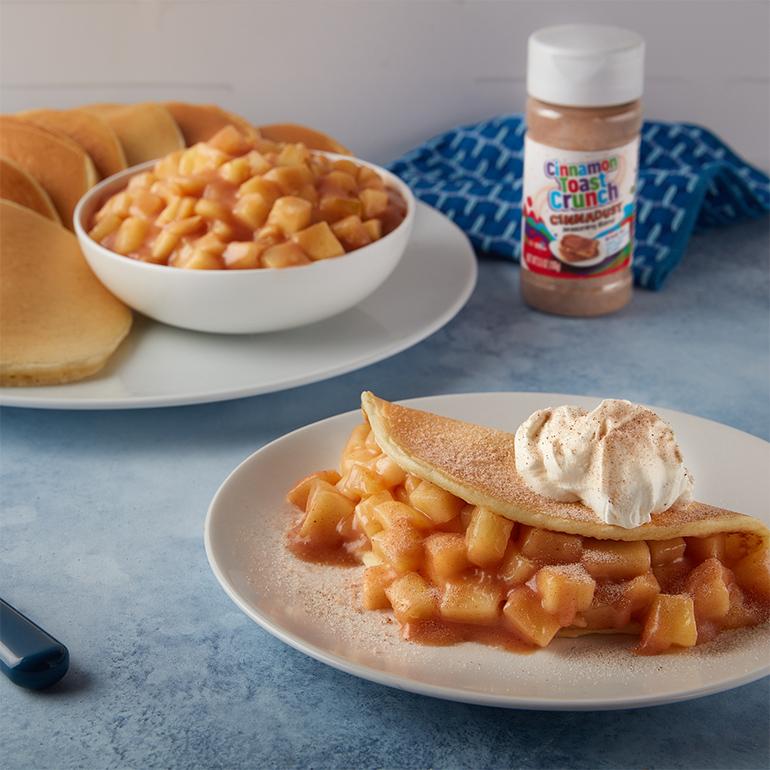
point(101, 542)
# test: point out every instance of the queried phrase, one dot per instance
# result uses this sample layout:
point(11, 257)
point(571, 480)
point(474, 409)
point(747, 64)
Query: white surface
point(311, 607)
point(242, 301)
point(162, 366)
point(585, 65)
point(381, 76)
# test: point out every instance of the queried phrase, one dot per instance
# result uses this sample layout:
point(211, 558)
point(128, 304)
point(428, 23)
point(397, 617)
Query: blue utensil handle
point(29, 656)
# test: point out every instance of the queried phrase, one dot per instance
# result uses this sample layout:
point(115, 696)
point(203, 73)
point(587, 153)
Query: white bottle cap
point(585, 65)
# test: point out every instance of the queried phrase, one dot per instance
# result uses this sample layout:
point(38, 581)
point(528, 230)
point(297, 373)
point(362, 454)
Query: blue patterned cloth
point(688, 178)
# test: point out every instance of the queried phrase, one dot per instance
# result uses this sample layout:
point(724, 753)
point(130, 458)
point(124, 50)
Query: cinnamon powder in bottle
point(580, 169)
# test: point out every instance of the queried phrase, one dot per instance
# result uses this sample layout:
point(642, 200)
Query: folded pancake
point(199, 122)
point(18, 186)
point(147, 131)
point(292, 133)
point(477, 464)
point(57, 322)
point(61, 166)
point(90, 131)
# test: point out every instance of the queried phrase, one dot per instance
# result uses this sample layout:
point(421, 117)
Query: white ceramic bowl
point(242, 301)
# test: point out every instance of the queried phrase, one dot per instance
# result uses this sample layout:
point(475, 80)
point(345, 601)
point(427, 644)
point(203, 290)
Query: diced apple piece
point(284, 255)
point(738, 545)
point(411, 598)
point(369, 178)
point(360, 482)
point(565, 590)
point(525, 615)
point(445, 556)
point(374, 228)
point(742, 612)
point(515, 568)
point(211, 243)
point(299, 493)
point(549, 547)
point(400, 546)
point(165, 242)
point(357, 438)
point(665, 551)
point(487, 537)
point(291, 214)
point(375, 581)
point(168, 166)
point(672, 576)
point(241, 255)
point(334, 208)
point(389, 471)
point(252, 210)
point(701, 548)
point(670, 622)
point(230, 140)
point(258, 185)
point(400, 494)
point(374, 202)
point(616, 559)
point(340, 183)
point(202, 260)
point(291, 179)
point(318, 241)
point(360, 456)
point(221, 230)
point(708, 584)
point(466, 512)
point(348, 166)
point(638, 594)
point(293, 155)
point(326, 507)
point(752, 572)
point(437, 503)
point(471, 601)
point(130, 235)
point(146, 204)
point(258, 163)
point(411, 482)
point(236, 171)
point(389, 513)
point(205, 157)
point(365, 513)
point(351, 232)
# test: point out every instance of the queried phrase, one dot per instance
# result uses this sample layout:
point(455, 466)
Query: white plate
point(162, 366)
point(311, 607)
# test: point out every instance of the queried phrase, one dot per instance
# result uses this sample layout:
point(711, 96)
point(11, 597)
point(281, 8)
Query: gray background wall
point(379, 74)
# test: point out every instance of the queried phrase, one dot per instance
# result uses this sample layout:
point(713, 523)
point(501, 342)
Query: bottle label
point(578, 210)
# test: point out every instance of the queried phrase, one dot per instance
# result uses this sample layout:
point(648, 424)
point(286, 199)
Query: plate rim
point(439, 691)
point(30, 401)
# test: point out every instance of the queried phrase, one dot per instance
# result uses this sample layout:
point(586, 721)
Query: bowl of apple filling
point(242, 235)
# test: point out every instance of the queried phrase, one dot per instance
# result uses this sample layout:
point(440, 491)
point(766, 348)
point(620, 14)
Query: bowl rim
point(317, 265)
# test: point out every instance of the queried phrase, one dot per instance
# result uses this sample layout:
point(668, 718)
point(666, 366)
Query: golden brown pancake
point(18, 186)
point(61, 166)
point(90, 131)
point(477, 464)
point(199, 122)
point(146, 130)
point(57, 322)
point(292, 133)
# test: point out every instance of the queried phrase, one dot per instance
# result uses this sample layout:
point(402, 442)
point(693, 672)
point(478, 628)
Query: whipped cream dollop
point(621, 460)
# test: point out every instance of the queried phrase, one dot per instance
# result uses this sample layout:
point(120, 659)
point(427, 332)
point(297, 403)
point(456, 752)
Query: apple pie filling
point(451, 571)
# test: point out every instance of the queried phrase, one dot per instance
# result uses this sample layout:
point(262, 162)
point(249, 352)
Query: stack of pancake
point(57, 322)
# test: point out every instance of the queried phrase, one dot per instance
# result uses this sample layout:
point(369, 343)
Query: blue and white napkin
point(688, 179)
